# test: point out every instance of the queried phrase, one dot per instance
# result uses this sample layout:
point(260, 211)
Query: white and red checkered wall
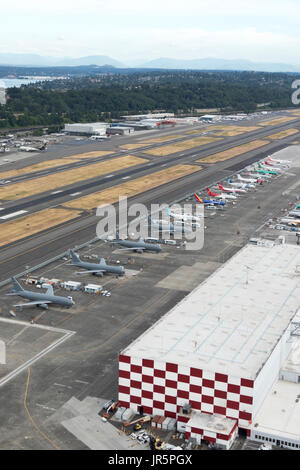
point(162, 388)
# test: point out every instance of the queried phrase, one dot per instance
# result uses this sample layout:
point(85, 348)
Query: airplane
point(183, 217)
point(259, 175)
point(247, 180)
point(267, 164)
point(290, 221)
point(263, 171)
point(97, 269)
point(266, 167)
point(294, 213)
point(220, 195)
point(231, 190)
point(24, 148)
point(166, 226)
point(209, 201)
point(38, 299)
point(283, 162)
point(138, 246)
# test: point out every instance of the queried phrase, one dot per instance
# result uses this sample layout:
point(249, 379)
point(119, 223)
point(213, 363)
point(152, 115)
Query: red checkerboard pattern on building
point(162, 388)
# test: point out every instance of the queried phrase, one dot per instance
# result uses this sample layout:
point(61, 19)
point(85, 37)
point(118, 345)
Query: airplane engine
point(45, 306)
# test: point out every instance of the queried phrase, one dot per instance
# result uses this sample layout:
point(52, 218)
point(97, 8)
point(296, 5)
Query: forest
point(107, 95)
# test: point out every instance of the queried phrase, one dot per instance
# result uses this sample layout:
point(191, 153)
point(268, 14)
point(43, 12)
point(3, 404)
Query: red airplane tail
point(197, 198)
point(220, 186)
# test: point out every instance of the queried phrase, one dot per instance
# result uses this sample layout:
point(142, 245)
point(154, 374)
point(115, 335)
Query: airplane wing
point(35, 302)
point(91, 271)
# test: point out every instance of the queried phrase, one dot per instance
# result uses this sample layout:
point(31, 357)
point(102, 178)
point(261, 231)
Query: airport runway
point(14, 258)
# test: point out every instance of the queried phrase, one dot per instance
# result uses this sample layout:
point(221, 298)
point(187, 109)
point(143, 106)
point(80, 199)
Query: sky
point(129, 30)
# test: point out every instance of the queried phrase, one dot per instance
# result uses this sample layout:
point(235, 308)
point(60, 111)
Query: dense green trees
point(89, 99)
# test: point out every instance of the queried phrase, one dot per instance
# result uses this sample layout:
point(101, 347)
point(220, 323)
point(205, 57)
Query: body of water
point(17, 82)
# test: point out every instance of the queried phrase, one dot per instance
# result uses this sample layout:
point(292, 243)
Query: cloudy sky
point(258, 30)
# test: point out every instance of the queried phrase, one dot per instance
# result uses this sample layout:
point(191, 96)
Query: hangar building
point(221, 349)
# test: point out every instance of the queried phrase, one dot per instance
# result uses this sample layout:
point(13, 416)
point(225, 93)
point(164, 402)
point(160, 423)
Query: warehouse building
point(139, 117)
point(120, 130)
point(210, 118)
point(220, 350)
point(91, 128)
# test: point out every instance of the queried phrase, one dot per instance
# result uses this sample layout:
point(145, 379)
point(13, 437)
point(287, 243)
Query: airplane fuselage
point(102, 267)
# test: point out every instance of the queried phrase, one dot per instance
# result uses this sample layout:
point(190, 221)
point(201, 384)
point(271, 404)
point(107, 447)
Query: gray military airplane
point(98, 269)
point(40, 299)
point(138, 246)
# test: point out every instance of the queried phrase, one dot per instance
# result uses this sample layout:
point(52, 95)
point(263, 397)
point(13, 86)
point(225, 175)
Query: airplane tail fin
point(168, 210)
point(102, 261)
point(74, 256)
point(220, 186)
point(197, 198)
point(17, 286)
point(49, 290)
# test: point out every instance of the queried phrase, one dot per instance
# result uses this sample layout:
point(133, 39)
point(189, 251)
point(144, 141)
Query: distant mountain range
point(35, 60)
point(219, 64)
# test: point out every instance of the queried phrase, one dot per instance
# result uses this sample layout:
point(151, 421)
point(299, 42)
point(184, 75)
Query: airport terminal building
point(214, 361)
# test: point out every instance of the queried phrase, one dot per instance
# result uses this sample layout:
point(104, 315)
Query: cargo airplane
point(39, 299)
point(139, 246)
point(98, 269)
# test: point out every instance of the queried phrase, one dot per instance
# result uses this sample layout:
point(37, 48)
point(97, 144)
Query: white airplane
point(294, 213)
point(247, 180)
point(283, 162)
point(290, 221)
point(231, 190)
point(270, 166)
point(28, 149)
point(183, 217)
point(239, 185)
point(24, 148)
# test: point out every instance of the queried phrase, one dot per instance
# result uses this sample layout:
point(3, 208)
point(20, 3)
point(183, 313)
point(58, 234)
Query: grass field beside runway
point(67, 177)
point(36, 167)
point(233, 152)
point(274, 122)
point(131, 146)
point(45, 165)
point(132, 188)
point(165, 138)
point(282, 134)
point(231, 131)
point(31, 224)
point(95, 154)
point(180, 146)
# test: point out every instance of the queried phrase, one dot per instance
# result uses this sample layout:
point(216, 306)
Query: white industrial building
point(221, 350)
point(210, 118)
point(91, 128)
point(2, 93)
point(139, 117)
